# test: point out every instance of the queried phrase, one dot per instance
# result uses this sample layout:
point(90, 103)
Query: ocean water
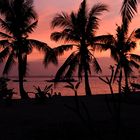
point(97, 86)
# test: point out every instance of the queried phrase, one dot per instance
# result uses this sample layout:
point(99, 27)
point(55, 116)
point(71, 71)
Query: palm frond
point(114, 53)
point(91, 29)
point(61, 20)
point(82, 15)
point(50, 56)
point(29, 3)
point(3, 54)
point(31, 13)
point(128, 9)
point(137, 33)
point(135, 57)
point(9, 63)
point(61, 72)
point(4, 43)
point(103, 42)
point(73, 19)
point(104, 38)
point(24, 10)
point(134, 64)
point(39, 45)
point(101, 46)
point(97, 9)
point(17, 16)
point(56, 36)
point(4, 35)
point(61, 49)
point(93, 20)
point(129, 46)
point(131, 36)
point(72, 66)
point(66, 35)
point(30, 28)
point(96, 65)
point(5, 26)
point(27, 48)
point(28, 7)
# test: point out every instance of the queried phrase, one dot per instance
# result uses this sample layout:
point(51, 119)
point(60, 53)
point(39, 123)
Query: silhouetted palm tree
point(18, 20)
point(121, 53)
point(79, 30)
point(123, 44)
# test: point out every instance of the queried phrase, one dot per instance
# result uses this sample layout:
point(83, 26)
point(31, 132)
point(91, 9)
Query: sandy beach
point(59, 119)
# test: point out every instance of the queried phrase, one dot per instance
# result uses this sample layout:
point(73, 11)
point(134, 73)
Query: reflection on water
point(97, 86)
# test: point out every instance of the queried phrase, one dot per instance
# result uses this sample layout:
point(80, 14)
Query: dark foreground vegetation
point(60, 118)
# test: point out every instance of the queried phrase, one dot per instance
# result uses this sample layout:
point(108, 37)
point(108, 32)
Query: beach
point(60, 119)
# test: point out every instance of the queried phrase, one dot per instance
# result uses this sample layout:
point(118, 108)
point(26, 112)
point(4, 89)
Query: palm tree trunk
point(23, 93)
point(87, 86)
point(120, 81)
point(126, 81)
point(84, 52)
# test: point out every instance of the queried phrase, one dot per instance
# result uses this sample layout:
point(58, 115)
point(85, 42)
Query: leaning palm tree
point(79, 31)
point(18, 20)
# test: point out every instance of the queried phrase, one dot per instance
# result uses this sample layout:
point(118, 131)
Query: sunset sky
point(46, 10)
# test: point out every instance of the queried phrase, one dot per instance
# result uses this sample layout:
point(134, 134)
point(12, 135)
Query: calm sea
point(97, 86)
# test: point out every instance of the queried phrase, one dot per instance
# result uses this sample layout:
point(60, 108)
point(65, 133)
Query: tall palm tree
point(123, 44)
point(79, 31)
point(18, 20)
point(121, 53)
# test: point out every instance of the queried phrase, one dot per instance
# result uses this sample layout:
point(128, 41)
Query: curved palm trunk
point(23, 93)
point(87, 86)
